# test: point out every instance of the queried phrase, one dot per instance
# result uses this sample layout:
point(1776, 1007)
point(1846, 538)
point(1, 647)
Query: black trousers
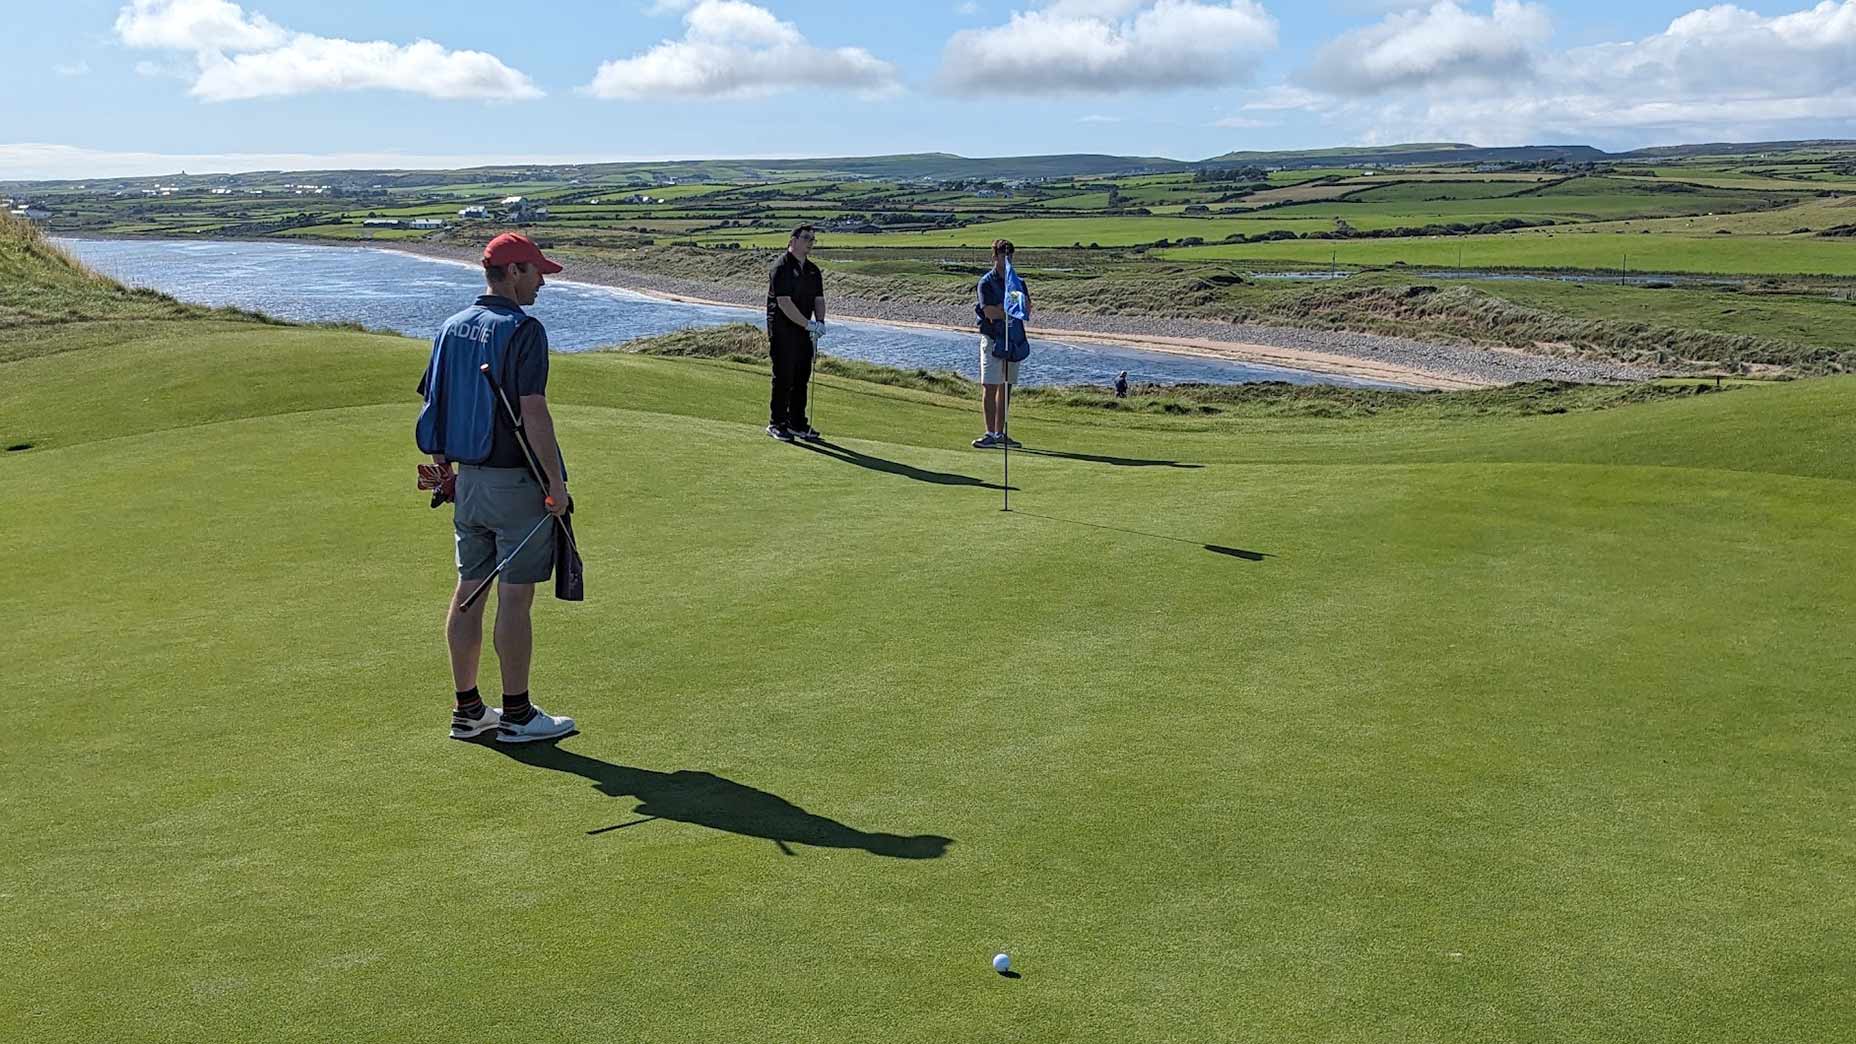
point(792, 371)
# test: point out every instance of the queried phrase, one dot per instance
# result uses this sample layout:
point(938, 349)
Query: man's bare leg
point(515, 635)
point(464, 635)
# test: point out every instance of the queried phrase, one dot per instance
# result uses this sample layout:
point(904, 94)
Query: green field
point(1425, 725)
point(1772, 255)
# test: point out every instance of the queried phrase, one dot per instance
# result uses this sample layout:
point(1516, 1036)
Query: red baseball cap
point(514, 248)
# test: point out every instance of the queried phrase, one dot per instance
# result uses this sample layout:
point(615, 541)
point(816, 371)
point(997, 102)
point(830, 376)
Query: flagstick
point(1005, 422)
point(1005, 341)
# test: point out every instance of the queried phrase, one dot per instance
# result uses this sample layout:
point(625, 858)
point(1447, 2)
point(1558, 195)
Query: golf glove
point(817, 328)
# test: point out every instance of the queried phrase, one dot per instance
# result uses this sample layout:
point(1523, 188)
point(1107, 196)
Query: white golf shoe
point(543, 726)
point(463, 726)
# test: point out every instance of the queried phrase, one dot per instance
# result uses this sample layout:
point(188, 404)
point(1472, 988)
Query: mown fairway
point(1504, 729)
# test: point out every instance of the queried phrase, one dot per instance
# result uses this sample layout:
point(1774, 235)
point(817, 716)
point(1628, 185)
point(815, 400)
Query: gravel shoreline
point(1453, 365)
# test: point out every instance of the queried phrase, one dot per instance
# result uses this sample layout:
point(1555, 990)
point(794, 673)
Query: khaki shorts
point(994, 370)
point(496, 508)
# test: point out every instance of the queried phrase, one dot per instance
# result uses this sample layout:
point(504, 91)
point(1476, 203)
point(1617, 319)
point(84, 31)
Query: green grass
point(1722, 255)
point(1424, 191)
point(1510, 728)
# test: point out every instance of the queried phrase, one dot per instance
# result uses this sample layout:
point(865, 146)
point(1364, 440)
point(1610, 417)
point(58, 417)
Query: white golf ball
point(1002, 962)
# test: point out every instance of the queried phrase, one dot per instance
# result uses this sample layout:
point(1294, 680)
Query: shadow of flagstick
point(1217, 549)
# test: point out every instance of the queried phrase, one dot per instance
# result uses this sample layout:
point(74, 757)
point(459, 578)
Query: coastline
point(1375, 357)
point(1372, 357)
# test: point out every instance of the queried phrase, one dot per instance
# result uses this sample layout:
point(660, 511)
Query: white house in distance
point(470, 213)
point(426, 223)
point(28, 212)
point(519, 209)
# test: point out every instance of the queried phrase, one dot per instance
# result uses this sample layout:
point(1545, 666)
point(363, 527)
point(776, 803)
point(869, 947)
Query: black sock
point(516, 709)
point(470, 704)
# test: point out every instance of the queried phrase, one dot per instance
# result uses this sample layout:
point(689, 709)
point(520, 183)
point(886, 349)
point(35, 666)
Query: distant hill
point(935, 165)
point(941, 166)
point(1414, 153)
point(1728, 148)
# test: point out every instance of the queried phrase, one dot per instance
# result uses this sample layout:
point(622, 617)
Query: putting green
point(1497, 729)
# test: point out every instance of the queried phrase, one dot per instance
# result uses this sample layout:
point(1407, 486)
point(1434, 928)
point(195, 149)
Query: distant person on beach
point(999, 334)
point(1121, 385)
point(795, 320)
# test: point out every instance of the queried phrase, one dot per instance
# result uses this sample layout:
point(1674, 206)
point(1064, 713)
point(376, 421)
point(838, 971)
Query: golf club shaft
point(515, 422)
point(471, 599)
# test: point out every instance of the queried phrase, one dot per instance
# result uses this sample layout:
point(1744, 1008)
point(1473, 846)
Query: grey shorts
point(994, 370)
point(497, 507)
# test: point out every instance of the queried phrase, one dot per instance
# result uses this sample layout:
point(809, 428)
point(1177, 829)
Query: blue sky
point(148, 86)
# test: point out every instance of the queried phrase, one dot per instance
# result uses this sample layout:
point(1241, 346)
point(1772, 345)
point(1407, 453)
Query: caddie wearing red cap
point(500, 506)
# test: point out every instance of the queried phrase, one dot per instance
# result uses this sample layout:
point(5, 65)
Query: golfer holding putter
point(501, 510)
point(795, 322)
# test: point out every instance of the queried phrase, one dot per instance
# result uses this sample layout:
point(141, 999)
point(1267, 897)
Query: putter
point(811, 381)
point(471, 599)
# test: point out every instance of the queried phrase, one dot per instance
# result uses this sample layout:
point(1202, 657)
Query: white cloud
point(309, 63)
point(730, 50)
point(1098, 118)
point(1715, 73)
point(239, 56)
point(195, 25)
point(1111, 46)
point(77, 68)
point(1441, 44)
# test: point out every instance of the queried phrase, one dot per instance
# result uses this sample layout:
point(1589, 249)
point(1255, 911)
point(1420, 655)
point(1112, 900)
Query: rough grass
point(56, 304)
point(1473, 314)
point(47, 286)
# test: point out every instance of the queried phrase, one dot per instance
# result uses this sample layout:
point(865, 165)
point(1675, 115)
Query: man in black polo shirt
point(795, 318)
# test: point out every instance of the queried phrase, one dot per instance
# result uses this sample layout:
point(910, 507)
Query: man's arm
point(790, 310)
point(993, 312)
point(539, 424)
point(531, 380)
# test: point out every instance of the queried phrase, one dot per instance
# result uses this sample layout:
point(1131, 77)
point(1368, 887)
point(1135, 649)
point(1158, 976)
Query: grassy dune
point(1409, 725)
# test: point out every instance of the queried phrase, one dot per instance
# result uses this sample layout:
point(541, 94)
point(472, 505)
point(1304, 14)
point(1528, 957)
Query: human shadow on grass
point(894, 467)
point(708, 800)
point(1216, 549)
point(1120, 462)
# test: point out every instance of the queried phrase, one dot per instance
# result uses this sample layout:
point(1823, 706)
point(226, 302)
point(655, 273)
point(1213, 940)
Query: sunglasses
point(808, 239)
